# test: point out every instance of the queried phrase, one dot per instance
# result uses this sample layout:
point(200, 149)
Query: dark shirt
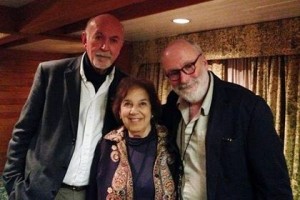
point(91, 74)
point(141, 156)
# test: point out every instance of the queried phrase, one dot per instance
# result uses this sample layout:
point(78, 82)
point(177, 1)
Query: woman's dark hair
point(128, 83)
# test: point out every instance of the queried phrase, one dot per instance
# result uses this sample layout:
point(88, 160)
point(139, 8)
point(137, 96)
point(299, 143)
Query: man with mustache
point(66, 113)
point(224, 133)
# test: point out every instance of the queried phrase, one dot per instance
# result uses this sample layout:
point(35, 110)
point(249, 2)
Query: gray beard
point(191, 97)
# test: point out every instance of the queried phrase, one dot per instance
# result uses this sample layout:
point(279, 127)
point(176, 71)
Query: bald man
point(225, 133)
point(67, 111)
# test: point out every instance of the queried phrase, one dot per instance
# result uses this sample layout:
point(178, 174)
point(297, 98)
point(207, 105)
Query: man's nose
point(184, 78)
point(105, 45)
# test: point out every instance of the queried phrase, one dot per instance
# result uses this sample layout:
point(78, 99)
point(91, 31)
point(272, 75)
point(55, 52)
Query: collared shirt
point(90, 124)
point(191, 141)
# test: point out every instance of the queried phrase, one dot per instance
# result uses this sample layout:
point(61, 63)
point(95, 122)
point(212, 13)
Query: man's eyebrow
point(183, 65)
point(187, 63)
point(115, 37)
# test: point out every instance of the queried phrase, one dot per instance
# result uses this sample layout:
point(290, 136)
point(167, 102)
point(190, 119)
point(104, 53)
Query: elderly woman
point(135, 161)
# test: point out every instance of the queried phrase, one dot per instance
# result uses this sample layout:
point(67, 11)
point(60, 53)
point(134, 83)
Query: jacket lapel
point(72, 85)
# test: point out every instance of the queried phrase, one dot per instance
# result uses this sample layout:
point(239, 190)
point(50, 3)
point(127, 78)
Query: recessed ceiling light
point(181, 21)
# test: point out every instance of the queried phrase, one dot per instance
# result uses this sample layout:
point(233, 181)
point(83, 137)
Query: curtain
point(276, 79)
point(154, 73)
point(292, 121)
point(240, 71)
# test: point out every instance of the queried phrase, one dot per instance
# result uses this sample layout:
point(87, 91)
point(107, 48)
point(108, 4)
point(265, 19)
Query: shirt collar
point(205, 108)
point(82, 70)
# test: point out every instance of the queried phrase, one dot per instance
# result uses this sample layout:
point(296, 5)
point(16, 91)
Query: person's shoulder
point(232, 89)
point(115, 135)
point(237, 89)
point(239, 95)
point(172, 99)
point(60, 63)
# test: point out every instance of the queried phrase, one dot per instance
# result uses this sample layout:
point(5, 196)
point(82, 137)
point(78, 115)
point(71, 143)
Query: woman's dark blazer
point(44, 137)
point(244, 155)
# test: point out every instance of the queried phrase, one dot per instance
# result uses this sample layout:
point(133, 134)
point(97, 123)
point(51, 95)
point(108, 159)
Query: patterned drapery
point(292, 121)
point(154, 73)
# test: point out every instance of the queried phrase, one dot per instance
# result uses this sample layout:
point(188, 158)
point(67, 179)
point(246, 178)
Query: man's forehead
point(176, 58)
point(106, 28)
point(110, 34)
point(178, 53)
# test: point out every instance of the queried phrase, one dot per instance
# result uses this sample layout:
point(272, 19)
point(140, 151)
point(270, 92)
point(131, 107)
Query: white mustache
point(184, 86)
point(188, 85)
point(103, 54)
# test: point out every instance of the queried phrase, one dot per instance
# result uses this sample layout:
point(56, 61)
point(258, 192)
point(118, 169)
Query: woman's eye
point(143, 104)
point(126, 104)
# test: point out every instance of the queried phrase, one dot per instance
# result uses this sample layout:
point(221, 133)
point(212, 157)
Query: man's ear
point(83, 38)
point(205, 62)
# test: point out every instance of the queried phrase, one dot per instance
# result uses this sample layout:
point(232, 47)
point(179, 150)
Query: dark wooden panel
point(7, 19)
point(17, 70)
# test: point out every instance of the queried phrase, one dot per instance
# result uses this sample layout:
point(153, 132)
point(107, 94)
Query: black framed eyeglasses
point(188, 69)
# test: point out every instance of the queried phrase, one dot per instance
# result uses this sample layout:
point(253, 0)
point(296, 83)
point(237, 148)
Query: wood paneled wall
point(16, 75)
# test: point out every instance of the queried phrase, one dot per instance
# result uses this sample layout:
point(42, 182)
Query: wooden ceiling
point(54, 26)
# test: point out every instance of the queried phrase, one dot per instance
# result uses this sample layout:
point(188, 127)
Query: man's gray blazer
point(44, 137)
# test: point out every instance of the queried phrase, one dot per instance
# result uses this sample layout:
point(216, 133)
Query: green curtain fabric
point(292, 120)
point(154, 73)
